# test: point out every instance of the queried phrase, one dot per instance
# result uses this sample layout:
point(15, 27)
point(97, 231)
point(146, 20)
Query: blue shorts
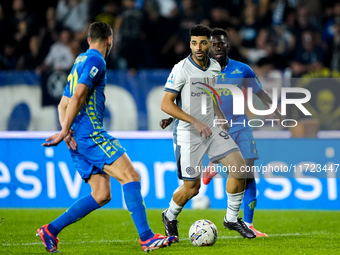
point(246, 142)
point(94, 151)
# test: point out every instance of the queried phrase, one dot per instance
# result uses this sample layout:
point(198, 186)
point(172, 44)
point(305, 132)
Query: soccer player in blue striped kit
point(241, 74)
point(96, 155)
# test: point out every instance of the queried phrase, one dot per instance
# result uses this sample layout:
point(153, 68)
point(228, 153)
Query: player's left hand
point(54, 140)
point(165, 122)
point(279, 118)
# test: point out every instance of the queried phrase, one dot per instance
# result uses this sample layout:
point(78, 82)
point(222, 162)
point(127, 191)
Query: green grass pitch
point(108, 231)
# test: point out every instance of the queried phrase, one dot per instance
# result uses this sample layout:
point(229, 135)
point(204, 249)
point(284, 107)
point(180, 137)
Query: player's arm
point(267, 100)
point(64, 101)
point(252, 81)
point(69, 140)
point(74, 106)
point(168, 105)
point(220, 114)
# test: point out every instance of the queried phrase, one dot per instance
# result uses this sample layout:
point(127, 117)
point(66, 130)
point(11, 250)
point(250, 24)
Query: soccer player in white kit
point(194, 133)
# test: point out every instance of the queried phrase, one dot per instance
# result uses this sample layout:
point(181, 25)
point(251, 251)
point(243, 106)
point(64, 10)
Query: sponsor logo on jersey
point(206, 80)
point(236, 71)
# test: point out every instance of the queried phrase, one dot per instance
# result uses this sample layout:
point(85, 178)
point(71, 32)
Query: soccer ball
point(203, 233)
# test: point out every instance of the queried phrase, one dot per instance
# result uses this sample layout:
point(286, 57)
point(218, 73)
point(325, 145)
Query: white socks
point(173, 211)
point(249, 224)
point(234, 204)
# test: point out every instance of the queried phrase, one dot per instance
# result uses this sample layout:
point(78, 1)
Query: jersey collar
point(195, 64)
point(96, 51)
point(227, 64)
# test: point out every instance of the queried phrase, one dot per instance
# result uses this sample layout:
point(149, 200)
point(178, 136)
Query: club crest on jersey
point(223, 76)
point(93, 72)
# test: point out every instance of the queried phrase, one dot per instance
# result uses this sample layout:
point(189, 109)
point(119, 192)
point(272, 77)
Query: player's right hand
point(54, 140)
point(165, 122)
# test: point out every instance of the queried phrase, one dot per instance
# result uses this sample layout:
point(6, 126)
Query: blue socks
point(78, 210)
point(87, 204)
point(249, 201)
point(135, 204)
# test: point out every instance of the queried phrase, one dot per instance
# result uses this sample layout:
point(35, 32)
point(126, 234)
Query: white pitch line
point(273, 235)
point(133, 240)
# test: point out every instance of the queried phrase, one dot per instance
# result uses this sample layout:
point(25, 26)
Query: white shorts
point(189, 156)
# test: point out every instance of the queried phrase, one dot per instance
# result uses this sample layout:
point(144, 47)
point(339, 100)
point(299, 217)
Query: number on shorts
point(224, 135)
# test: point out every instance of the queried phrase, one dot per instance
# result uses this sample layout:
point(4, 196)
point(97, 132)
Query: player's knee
point(192, 188)
point(192, 192)
point(106, 199)
point(238, 176)
point(103, 198)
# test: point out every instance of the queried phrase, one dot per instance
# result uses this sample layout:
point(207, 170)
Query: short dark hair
point(99, 31)
point(219, 31)
point(200, 30)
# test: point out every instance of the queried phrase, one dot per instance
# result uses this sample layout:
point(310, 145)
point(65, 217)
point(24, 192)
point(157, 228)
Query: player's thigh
point(235, 164)
point(83, 166)
point(99, 147)
point(189, 160)
point(221, 145)
point(246, 142)
point(122, 170)
point(105, 153)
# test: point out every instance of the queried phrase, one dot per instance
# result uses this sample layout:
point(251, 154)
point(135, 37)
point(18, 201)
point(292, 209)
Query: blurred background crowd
point(279, 39)
point(295, 36)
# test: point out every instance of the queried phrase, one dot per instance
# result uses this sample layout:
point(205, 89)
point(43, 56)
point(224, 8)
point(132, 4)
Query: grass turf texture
point(112, 232)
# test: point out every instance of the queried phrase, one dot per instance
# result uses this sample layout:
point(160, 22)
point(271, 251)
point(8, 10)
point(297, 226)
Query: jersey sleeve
point(251, 80)
point(175, 80)
point(93, 67)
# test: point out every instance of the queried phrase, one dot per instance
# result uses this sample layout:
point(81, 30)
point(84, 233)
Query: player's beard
point(203, 57)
